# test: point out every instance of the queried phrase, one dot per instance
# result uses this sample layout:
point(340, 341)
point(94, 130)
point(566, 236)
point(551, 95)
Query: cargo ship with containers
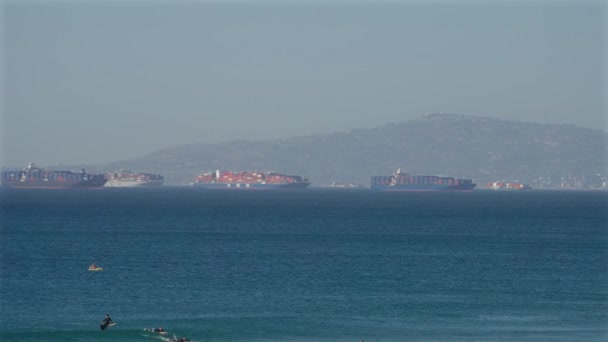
point(508, 186)
point(247, 180)
point(33, 177)
point(130, 179)
point(401, 181)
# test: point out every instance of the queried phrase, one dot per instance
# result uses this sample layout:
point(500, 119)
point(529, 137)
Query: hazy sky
point(99, 81)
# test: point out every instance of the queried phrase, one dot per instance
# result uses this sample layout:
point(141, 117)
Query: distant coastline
point(545, 156)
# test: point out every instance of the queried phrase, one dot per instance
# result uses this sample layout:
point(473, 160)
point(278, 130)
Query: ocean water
point(315, 265)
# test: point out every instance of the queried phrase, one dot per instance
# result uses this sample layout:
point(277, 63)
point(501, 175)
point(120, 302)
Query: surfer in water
point(159, 330)
point(106, 321)
point(183, 339)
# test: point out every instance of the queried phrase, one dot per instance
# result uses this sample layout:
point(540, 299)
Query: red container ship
point(249, 180)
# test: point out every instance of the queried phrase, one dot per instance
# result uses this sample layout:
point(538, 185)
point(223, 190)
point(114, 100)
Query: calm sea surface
point(314, 265)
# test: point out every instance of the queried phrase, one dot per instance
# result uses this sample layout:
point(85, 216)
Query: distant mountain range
point(463, 146)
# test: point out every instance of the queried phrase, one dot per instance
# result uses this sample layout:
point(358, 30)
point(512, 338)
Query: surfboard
point(96, 269)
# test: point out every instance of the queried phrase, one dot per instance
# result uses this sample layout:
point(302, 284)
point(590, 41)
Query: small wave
point(509, 318)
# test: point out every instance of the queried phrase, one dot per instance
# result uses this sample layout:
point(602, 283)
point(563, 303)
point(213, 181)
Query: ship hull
point(132, 184)
point(522, 189)
point(251, 186)
point(88, 184)
point(424, 187)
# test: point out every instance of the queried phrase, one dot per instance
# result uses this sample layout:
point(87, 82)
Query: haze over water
point(88, 82)
point(313, 265)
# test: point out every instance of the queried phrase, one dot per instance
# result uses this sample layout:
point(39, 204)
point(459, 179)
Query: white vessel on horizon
point(130, 179)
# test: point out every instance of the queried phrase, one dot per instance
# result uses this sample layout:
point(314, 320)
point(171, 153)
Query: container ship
point(130, 179)
point(249, 180)
point(401, 181)
point(507, 186)
point(33, 177)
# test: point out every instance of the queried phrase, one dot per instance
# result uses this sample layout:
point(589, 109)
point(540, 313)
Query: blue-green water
point(304, 266)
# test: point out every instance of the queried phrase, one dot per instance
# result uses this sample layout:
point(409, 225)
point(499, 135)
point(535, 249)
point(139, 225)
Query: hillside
point(483, 149)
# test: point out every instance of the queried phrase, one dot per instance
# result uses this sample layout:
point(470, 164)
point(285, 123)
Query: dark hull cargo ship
point(401, 181)
point(33, 177)
point(249, 181)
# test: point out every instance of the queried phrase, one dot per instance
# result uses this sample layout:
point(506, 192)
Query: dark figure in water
point(106, 321)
